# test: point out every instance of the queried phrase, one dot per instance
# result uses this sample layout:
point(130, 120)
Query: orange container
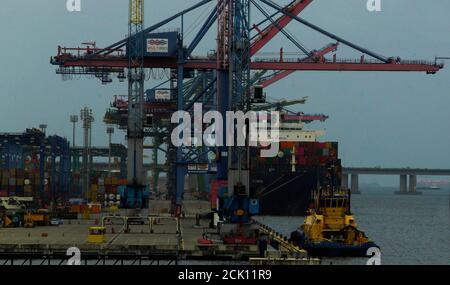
point(84, 208)
point(75, 208)
point(95, 208)
point(284, 145)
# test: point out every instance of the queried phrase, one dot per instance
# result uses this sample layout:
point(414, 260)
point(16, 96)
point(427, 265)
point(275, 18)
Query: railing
point(17, 258)
point(349, 61)
point(79, 52)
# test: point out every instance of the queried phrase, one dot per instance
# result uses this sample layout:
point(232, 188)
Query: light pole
point(74, 121)
point(109, 131)
point(87, 118)
point(73, 156)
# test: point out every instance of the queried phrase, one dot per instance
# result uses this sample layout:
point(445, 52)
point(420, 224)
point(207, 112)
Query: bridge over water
point(408, 176)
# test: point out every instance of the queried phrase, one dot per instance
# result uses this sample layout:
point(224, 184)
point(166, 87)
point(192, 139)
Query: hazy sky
point(388, 119)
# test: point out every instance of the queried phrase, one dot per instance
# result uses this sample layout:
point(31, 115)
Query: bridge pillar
point(403, 182)
point(355, 184)
point(344, 182)
point(409, 189)
point(413, 185)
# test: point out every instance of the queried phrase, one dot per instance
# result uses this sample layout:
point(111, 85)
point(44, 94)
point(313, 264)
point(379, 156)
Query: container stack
point(4, 183)
point(12, 182)
point(103, 187)
point(25, 182)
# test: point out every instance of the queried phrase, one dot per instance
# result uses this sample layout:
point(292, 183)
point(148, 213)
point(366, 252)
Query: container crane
point(232, 62)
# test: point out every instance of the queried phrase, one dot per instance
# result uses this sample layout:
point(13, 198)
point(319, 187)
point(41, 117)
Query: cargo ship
point(301, 166)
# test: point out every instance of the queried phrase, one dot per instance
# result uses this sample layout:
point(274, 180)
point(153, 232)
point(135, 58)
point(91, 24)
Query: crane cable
point(197, 22)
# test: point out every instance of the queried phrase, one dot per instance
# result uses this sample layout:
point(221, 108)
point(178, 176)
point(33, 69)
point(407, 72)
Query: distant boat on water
point(425, 187)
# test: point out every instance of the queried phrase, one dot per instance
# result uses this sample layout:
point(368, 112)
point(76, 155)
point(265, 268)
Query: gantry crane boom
point(264, 36)
point(112, 58)
point(317, 56)
point(260, 63)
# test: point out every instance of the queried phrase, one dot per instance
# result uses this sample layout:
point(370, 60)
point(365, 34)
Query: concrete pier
point(164, 240)
point(411, 188)
point(403, 183)
point(412, 183)
point(355, 184)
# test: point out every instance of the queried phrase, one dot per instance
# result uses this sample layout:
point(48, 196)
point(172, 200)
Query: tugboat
point(330, 229)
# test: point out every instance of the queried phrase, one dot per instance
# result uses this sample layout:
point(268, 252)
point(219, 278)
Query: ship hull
point(284, 184)
point(290, 195)
point(332, 249)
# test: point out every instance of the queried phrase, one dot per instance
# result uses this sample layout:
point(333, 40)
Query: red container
point(323, 159)
point(300, 151)
point(289, 145)
point(301, 160)
point(322, 145)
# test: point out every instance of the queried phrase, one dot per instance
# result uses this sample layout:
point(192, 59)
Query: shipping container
point(95, 208)
point(75, 208)
point(12, 182)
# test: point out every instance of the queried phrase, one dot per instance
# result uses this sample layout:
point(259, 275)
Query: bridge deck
point(396, 171)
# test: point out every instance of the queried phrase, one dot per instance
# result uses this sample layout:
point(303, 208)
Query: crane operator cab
point(97, 235)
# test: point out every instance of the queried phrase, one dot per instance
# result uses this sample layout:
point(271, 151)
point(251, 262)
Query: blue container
point(223, 191)
point(253, 207)
point(131, 197)
point(156, 45)
point(161, 45)
point(121, 190)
